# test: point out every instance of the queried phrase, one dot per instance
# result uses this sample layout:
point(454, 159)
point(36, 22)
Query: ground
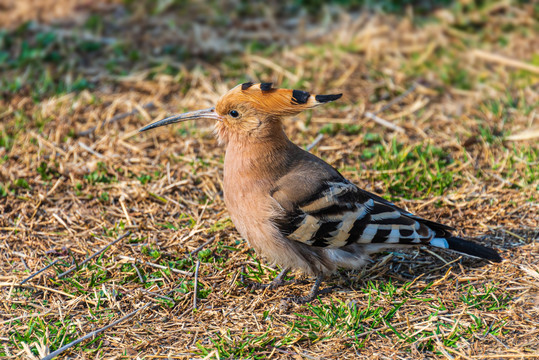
point(439, 115)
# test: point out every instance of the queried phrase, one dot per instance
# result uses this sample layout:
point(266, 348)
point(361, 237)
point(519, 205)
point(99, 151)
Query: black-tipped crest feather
point(327, 98)
point(300, 97)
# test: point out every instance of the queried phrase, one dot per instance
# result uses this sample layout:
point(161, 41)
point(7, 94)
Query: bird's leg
point(279, 279)
point(274, 284)
point(313, 294)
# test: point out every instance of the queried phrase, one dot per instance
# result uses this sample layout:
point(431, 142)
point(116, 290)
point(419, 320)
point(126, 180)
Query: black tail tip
point(473, 249)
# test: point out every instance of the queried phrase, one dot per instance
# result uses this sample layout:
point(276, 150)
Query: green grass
point(53, 334)
point(379, 314)
point(408, 171)
point(460, 156)
point(41, 56)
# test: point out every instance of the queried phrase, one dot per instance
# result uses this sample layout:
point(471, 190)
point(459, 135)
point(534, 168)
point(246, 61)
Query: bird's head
point(251, 112)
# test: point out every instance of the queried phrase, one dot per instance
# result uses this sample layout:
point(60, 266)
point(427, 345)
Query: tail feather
point(466, 247)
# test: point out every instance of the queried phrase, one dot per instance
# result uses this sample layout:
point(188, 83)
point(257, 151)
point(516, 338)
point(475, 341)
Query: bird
point(295, 209)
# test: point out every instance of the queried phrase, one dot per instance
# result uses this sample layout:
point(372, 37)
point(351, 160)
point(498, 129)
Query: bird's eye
point(234, 113)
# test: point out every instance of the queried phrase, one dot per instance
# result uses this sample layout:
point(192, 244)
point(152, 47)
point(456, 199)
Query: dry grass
point(467, 156)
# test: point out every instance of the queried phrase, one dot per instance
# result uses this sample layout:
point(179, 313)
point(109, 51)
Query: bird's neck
point(261, 159)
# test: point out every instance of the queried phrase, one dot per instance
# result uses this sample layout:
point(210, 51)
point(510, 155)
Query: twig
point(29, 316)
point(139, 274)
point(40, 271)
point(194, 252)
point(157, 295)
point(90, 150)
point(397, 99)
point(45, 288)
point(196, 286)
point(25, 264)
point(441, 347)
point(93, 333)
point(63, 223)
point(156, 265)
point(373, 115)
point(527, 134)
point(315, 142)
point(514, 234)
point(115, 119)
point(437, 256)
point(93, 256)
point(383, 122)
point(505, 61)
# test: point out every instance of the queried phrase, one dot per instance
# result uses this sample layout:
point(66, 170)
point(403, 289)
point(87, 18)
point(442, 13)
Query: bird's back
point(325, 210)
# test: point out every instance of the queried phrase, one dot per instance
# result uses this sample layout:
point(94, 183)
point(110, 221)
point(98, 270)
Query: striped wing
point(339, 213)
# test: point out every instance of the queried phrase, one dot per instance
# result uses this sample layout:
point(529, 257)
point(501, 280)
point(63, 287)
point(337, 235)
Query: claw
point(313, 294)
point(277, 282)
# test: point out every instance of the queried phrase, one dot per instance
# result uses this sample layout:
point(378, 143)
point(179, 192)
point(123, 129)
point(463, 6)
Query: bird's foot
point(277, 282)
point(313, 294)
point(272, 285)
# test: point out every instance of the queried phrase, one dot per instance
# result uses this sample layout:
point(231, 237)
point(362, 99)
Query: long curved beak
point(193, 115)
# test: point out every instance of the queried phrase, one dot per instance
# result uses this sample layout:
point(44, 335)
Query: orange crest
point(265, 99)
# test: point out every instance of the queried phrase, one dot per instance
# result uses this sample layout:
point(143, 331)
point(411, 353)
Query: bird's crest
point(266, 99)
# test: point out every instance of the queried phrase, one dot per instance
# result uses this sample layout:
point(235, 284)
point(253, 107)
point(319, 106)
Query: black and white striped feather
point(338, 214)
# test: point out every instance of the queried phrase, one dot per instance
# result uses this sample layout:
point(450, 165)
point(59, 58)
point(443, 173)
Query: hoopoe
point(291, 206)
